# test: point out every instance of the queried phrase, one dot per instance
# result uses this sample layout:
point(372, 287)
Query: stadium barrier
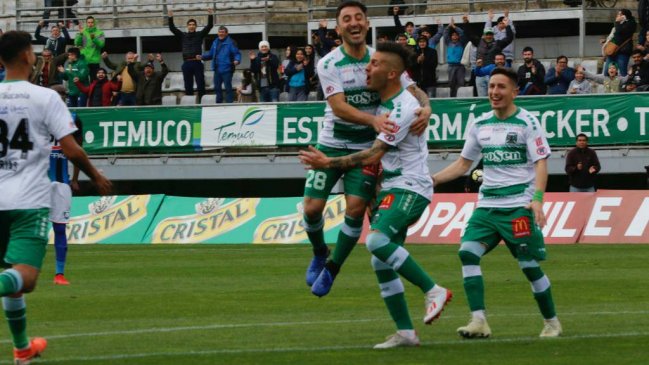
point(615, 119)
point(608, 216)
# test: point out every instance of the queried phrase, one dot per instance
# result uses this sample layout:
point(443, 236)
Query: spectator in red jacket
point(100, 92)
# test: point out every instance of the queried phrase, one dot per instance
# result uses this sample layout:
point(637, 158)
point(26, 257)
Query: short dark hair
point(223, 27)
point(411, 24)
point(90, 17)
point(401, 35)
point(12, 43)
point(192, 21)
point(500, 54)
point(528, 49)
point(75, 51)
point(562, 57)
point(395, 48)
point(350, 3)
point(507, 72)
point(582, 135)
point(500, 19)
point(637, 51)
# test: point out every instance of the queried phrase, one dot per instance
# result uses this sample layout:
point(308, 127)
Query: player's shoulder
point(485, 118)
point(328, 62)
point(526, 117)
point(24, 90)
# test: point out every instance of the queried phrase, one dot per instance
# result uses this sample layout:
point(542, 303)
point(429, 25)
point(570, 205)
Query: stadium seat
point(92, 7)
point(590, 65)
point(188, 100)
point(27, 5)
point(465, 92)
point(443, 92)
point(147, 6)
point(129, 6)
point(283, 97)
point(598, 89)
point(313, 96)
point(442, 73)
point(223, 5)
point(208, 99)
point(169, 100)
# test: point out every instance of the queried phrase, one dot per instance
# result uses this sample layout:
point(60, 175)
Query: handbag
point(610, 49)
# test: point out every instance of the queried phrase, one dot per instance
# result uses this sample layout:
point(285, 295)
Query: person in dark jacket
point(264, 66)
point(558, 78)
point(531, 75)
point(623, 37)
point(58, 39)
point(424, 67)
point(487, 48)
point(192, 50)
point(299, 70)
point(149, 82)
point(45, 71)
point(100, 92)
point(225, 57)
point(582, 165)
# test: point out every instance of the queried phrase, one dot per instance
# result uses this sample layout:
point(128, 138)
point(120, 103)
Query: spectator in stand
point(638, 76)
point(643, 21)
point(127, 76)
point(612, 83)
point(424, 69)
point(56, 42)
point(149, 82)
point(531, 75)
point(192, 50)
point(408, 30)
point(487, 48)
point(455, 42)
point(582, 165)
point(625, 26)
point(644, 47)
point(433, 40)
point(326, 37)
point(62, 11)
point(264, 66)
point(482, 70)
point(579, 85)
point(100, 92)
point(75, 67)
point(500, 32)
point(282, 68)
point(90, 41)
point(558, 78)
point(246, 92)
point(382, 37)
point(299, 71)
point(45, 71)
point(225, 57)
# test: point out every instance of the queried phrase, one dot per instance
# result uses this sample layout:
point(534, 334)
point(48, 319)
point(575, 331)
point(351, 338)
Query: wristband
point(538, 196)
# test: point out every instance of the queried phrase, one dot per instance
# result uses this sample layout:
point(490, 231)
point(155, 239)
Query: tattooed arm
point(314, 159)
point(420, 125)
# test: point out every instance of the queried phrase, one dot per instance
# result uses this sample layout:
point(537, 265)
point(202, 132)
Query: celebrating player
point(514, 153)
point(29, 114)
point(350, 125)
point(405, 193)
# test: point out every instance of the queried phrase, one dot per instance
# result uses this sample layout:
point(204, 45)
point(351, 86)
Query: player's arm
point(344, 111)
point(419, 126)
point(78, 156)
point(315, 159)
point(456, 169)
point(541, 181)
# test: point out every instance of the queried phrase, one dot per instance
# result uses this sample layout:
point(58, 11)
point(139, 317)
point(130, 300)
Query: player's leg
point(392, 292)
point(59, 216)
point(479, 238)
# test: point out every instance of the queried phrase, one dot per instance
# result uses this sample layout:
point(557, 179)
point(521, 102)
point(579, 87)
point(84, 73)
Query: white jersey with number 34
point(29, 114)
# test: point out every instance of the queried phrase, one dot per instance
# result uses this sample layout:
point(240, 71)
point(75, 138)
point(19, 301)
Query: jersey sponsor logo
point(503, 156)
point(365, 97)
point(371, 170)
point(330, 89)
point(541, 151)
point(539, 141)
point(390, 137)
point(511, 138)
point(387, 201)
point(521, 227)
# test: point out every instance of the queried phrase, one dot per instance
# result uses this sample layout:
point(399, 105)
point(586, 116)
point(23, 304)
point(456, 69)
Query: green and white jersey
point(340, 73)
point(405, 165)
point(509, 150)
point(29, 114)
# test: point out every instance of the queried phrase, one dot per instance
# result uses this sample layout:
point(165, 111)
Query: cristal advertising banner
point(608, 120)
point(608, 216)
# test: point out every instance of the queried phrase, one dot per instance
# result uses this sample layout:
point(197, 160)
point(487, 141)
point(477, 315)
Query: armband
point(538, 196)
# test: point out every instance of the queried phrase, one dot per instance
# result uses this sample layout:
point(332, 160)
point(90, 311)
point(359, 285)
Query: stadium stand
point(169, 100)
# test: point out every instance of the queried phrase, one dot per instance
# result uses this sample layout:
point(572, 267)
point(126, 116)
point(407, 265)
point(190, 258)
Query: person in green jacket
point(76, 66)
point(90, 40)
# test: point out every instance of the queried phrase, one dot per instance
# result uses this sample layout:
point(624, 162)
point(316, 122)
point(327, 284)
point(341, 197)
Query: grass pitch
point(249, 305)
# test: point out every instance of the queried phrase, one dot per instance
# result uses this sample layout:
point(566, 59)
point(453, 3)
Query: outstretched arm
point(315, 159)
point(458, 168)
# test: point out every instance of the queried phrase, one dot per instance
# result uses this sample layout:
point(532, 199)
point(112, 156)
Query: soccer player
point(514, 152)
point(406, 191)
point(350, 125)
point(29, 114)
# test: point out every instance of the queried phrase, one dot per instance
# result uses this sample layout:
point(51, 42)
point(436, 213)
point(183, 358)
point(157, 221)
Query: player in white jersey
point(406, 191)
point(350, 125)
point(514, 151)
point(29, 114)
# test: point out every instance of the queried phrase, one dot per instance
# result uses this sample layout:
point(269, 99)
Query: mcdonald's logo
point(521, 227)
point(387, 201)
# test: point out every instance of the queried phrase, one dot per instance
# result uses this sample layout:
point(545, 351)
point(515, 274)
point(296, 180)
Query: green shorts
point(515, 226)
point(23, 236)
point(359, 181)
point(395, 211)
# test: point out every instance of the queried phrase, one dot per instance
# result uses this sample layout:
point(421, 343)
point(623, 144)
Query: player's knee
point(470, 252)
point(531, 269)
point(376, 240)
point(313, 208)
point(356, 210)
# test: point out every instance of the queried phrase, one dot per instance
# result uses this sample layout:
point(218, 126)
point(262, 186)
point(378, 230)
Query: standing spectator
point(56, 42)
point(100, 92)
point(225, 57)
point(579, 85)
point(246, 92)
point(500, 32)
point(487, 48)
point(264, 66)
point(90, 40)
point(127, 75)
point(45, 71)
point(407, 30)
point(638, 76)
point(75, 67)
point(612, 83)
point(424, 69)
point(531, 75)
point(326, 37)
point(455, 43)
point(644, 47)
point(582, 165)
point(623, 37)
point(433, 40)
point(299, 71)
point(282, 68)
point(643, 20)
point(149, 82)
point(559, 77)
point(192, 49)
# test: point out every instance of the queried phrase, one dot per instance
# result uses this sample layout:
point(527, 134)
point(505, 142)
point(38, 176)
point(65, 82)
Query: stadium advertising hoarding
point(607, 119)
point(608, 216)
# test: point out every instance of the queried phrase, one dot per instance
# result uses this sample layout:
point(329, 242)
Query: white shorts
point(61, 201)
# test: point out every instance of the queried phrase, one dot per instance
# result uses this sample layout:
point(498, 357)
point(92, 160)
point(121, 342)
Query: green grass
point(249, 305)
